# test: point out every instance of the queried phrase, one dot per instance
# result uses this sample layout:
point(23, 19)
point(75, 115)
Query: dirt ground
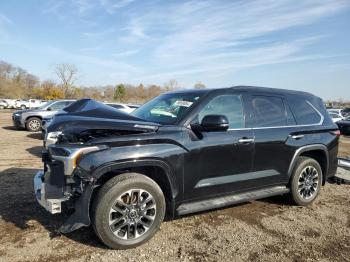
point(264, 230)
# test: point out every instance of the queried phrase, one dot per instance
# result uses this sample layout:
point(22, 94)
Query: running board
point(218, 202)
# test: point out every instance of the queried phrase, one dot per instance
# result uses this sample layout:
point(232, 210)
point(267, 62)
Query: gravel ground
point(264, 230)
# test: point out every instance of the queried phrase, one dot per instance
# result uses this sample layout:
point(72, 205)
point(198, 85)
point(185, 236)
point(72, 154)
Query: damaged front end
point(62, 184)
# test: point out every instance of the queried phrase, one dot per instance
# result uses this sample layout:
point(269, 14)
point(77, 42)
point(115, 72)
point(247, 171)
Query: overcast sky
point(303, 45)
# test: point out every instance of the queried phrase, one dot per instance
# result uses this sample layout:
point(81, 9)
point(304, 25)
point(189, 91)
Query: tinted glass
point(305, 114)
point(227, 105)
point(268, 111)
point(290, 118)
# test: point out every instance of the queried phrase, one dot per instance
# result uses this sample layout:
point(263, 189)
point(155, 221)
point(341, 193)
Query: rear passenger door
point(272, 122)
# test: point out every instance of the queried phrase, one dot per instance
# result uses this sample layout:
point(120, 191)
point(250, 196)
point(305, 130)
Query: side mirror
point(49, 109)
point(214, 123)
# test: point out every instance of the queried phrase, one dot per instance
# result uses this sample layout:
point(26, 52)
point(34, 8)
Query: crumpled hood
point(69, 122)
point(99, 121)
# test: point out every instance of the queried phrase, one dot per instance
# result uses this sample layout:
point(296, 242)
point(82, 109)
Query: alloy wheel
point(132, 214)
point(308, 182)
point(34, 124)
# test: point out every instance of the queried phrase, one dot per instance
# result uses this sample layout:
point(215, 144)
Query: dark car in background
point(344, 126)
point(184, 152)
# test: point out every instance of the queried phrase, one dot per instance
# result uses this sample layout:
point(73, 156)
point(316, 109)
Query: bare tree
point(67, 74)
point(199, 85)
point(172, 84)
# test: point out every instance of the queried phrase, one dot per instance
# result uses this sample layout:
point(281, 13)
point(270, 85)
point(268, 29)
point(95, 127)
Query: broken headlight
point(70, 156)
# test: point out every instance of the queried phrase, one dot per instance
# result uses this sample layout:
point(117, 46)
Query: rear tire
point(122, 209)
point(23, 107)
point(306, 181)
point(33, 124)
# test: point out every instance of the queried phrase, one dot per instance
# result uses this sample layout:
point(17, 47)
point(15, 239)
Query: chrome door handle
point(246, 140)
point(297, 136)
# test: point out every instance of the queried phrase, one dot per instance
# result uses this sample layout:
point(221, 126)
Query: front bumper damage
point(54, 206)
point(79, 218)
point(59, 193)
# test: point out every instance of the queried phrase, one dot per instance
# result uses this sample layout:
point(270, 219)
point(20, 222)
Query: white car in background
point(338, 111)
point(335, 116)
point(29, 104)
point(3, 104)
point(10, 103)
point(127, 108)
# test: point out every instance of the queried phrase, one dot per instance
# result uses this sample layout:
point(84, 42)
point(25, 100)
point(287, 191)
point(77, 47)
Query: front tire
point(33, 124)
point(306, 181)
point(128, 211)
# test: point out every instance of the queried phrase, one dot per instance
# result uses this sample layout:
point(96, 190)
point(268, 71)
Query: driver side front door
point(220, 162)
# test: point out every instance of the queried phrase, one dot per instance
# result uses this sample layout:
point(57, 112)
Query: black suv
point(184, 152)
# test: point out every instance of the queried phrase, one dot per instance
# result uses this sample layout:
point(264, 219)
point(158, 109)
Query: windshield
point(167, 108)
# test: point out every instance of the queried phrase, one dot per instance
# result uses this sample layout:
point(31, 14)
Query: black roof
point(245, 89)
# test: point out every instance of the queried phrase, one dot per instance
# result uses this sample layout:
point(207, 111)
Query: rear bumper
point(344, 163)
point(54, 206)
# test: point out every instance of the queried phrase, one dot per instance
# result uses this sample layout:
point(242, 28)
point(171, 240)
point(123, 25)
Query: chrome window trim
point(286, 126)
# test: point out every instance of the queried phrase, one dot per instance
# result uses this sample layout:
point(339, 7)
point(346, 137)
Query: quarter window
point(268, 111)
point(305, 114)
point(227, 105)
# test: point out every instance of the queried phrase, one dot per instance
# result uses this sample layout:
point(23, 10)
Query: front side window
point(167, 108)
point(268, 111)
point(227, 105)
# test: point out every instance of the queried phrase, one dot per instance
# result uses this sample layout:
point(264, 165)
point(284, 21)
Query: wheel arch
point(157, 170)
point(28, 117)
point(319, 152)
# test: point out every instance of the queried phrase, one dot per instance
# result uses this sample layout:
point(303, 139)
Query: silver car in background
point(31, 119)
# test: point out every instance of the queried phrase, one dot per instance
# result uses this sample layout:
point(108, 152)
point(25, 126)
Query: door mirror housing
point(212, 123)
point(49, 108)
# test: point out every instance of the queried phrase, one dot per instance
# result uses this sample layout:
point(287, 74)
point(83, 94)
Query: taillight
point(336, 132)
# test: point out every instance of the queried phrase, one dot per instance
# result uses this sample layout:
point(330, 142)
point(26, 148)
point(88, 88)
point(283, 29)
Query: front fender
point(122, 165)
point(167, 156)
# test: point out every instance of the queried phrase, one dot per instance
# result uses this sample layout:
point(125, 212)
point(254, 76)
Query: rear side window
point(268, 111)
point(304, 112)
point(227, 105)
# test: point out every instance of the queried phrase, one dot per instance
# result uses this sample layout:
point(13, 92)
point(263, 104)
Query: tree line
point(17, 83)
